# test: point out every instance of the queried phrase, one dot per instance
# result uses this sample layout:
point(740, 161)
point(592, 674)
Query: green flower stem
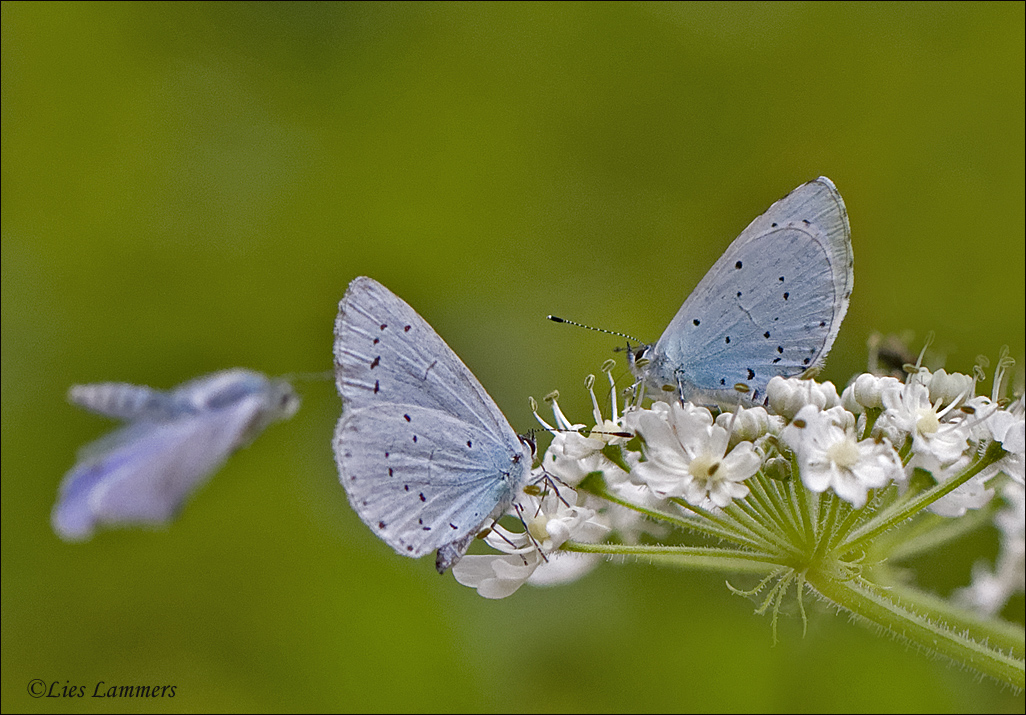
point(733, 530)
point(699, 557)
point(849, 522)
point(802, 506)
point(746, 516)
point(872, 414)
point(891, 517)
point(772, 508)
point(999, 635)
point(931, 531)
point(913, 620)
point(827, 522)
point(783, 496)
point(594, 484)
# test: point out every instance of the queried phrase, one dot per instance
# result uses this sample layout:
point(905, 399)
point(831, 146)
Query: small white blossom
point(571, 456)
point(830, 456)
point(865, 392)
point(950, 389)
point(1009, 428)
point(786, 396)
point(496, 575)
point(939, 436)
point(686, 456)
point(749, 425)
point(552, 519)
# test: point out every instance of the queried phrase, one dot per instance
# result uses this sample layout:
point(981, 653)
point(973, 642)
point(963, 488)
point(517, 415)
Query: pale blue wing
point(386, 353)
point(122, 401)
point(420, 478)
point(771, 305)
point(423, 452)
point(227, 388)
point(145, 471)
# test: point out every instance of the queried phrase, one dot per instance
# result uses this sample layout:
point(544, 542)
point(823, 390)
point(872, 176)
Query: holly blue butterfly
point(424, 454)
point(173, 442)
point(771, 305)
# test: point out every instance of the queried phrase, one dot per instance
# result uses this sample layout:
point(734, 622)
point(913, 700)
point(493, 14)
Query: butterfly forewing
point(386, 353)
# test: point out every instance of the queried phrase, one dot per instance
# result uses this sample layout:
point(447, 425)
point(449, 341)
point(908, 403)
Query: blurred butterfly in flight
point(771, 305)
point(425, 455)
point(174, 440)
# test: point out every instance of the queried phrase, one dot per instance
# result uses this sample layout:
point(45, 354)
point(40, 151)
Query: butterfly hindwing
point(420, 478)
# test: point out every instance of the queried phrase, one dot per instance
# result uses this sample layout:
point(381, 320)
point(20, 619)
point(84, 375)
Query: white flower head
point(865, 392)
point(951, 388)
point(940, 436)
point(749, 424)
point(1009, 428)
point(831, 457)
point(686, 455)
point(572, 456)
point(785, 396)
point(552, 517)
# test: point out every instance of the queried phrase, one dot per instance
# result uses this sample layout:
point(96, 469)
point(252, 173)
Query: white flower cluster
point(680, 459)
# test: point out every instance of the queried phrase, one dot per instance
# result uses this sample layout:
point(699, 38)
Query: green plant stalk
point(892, 516)
point(922, 626)
point(701, 557)
point(998, 634)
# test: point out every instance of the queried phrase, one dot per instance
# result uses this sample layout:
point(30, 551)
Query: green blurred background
point(190, 187)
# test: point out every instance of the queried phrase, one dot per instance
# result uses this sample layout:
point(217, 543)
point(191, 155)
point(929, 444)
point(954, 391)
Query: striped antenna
point(556, 319)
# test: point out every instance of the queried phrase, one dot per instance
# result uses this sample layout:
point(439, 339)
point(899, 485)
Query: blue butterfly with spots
point(425, 455)
point(771, 305)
